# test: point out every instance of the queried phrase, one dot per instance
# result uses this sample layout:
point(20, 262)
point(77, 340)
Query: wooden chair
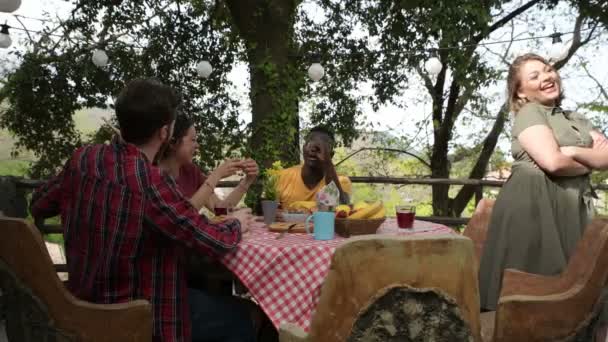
point(402, 288)
point(41, 309)
point(477, 228)
point(554, 308)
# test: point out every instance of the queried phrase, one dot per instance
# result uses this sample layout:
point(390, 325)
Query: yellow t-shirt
point(291, 187)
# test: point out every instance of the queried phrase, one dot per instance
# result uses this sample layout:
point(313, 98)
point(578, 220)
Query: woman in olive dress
point(544, 207)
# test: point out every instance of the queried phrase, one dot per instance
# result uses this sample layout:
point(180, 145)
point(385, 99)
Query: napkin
point(328, 196)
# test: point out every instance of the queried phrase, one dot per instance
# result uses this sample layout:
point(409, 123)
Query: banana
point(342, 207)
point(302, 205)
point(360, 205)
point(380, 214)
point(367, 212)
point(342, 211)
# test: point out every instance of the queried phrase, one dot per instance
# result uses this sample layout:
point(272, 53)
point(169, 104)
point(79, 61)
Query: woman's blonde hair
point(514, 81)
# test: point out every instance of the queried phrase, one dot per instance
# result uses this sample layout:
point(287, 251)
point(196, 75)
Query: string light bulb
point(204, 69)
point(557, 50)
point(316, 72)
point(99, 58)
point(5, 38)
point(433, 66)
point(9, 6)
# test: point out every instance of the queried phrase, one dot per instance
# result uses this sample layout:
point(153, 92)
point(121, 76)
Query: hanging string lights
point(316, 70)
point(9, 6)
point(5, 38)
point(204, 69)
point(433, 66)
point(99, 58)
point(557, 50)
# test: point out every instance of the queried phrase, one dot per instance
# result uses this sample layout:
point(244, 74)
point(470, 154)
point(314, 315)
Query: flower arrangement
point(269, 185)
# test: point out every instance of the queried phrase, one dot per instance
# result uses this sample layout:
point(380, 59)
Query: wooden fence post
point(478, 195)
point(12, 198)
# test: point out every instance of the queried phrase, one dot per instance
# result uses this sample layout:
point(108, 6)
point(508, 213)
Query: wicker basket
point(350, 227)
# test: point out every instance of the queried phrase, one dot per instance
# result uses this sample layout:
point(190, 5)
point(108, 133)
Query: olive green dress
point(537, 218)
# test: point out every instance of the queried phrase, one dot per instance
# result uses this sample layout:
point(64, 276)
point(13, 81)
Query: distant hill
point(87, 121)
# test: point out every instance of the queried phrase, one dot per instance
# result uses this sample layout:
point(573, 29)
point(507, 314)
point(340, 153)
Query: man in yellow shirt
point(302, 182)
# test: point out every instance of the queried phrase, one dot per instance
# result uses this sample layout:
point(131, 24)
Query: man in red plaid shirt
point(126, 225)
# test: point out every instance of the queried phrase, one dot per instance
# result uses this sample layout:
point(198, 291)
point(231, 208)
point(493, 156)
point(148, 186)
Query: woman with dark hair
point(544, 207)
point(199, 188)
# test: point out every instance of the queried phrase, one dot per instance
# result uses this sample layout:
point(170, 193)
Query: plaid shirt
point(125, 228)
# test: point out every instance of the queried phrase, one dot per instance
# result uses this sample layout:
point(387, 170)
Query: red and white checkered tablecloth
point(285, 276)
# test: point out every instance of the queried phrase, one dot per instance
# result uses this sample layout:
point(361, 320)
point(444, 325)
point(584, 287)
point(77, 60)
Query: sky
point(415, 101)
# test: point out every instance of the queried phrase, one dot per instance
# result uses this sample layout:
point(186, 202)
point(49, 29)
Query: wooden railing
point(25, 185)
point(450, 221)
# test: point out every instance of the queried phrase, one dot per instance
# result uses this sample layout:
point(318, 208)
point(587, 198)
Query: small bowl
point(295, 217)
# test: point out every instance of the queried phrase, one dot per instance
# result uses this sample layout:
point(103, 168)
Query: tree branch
point(503, 57)
point(577, 41)
point(25, 29)
point(500, 23)
point(428, 83)
point(479, 169)
point(424, 162)
point(597, 82)
point(450, 111)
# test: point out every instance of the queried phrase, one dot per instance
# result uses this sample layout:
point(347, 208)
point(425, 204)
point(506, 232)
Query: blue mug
point(324, 225)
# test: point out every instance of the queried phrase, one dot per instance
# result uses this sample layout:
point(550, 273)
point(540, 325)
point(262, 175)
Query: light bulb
point(557, 52)
point(433, 66)
point(5, 38)
point(316, 72)
point(99, 58)
point(9, 6)
point(204, 69)
point(5, 41)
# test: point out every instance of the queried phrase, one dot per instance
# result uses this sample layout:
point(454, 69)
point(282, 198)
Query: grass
point(86, 121)
point(14, 167)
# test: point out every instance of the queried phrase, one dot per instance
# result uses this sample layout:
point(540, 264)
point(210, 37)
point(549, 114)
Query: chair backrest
point(477, 228)
point(399, 280)
point(32, 287)
point(562, 307)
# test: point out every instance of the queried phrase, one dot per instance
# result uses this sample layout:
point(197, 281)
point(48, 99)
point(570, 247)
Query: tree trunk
point(440, 164)
point(440, 168)
point(479, 169)
point(266, 26)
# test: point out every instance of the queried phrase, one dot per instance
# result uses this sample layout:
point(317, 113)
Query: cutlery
point(286, 231)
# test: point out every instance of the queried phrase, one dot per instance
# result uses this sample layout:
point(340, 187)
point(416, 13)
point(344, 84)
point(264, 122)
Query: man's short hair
point(143, 107)
point(322, 130)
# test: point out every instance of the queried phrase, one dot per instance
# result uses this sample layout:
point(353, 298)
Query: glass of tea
point(405, 216)
point(222, 211)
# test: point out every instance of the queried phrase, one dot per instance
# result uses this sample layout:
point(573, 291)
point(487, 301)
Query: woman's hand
point(599, 140)
point(250, 167)
point(245, 218)
point(228, 168)
point(569, 151)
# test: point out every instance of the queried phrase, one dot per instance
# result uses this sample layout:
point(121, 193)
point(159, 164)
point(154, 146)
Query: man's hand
point(324, 156)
